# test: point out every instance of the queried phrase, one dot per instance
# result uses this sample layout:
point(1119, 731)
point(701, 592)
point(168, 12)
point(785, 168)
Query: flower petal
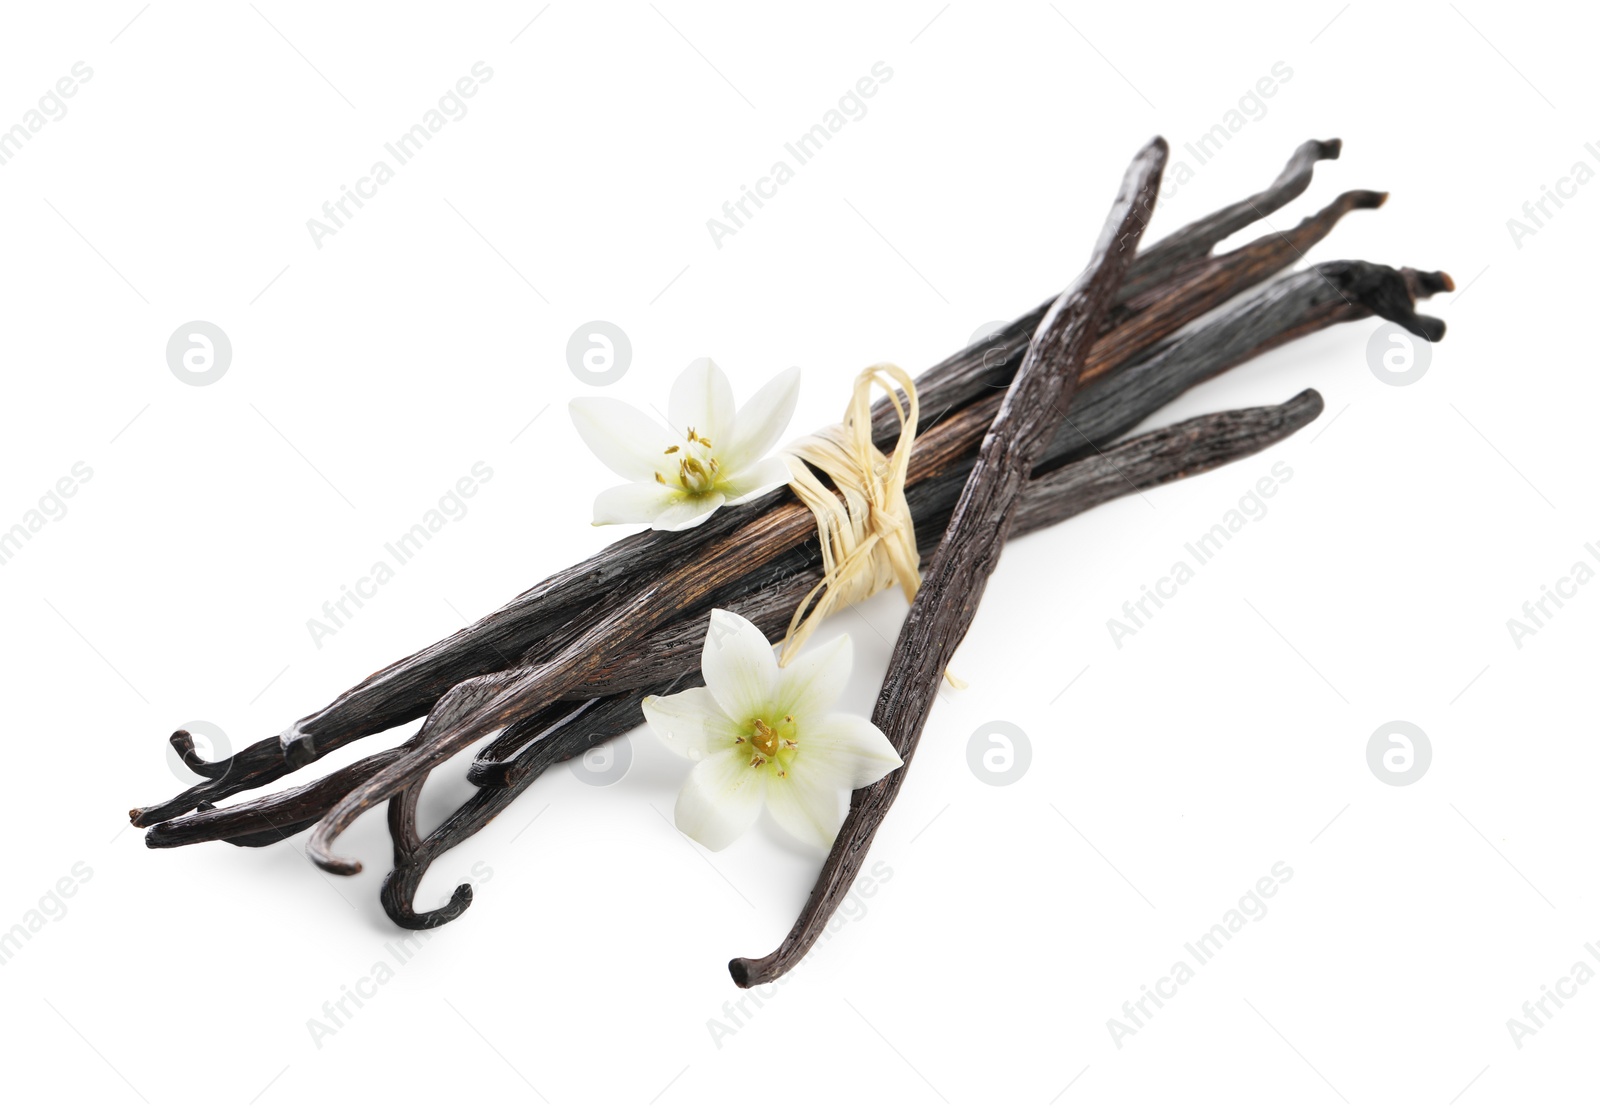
point(738, 666)
point(638, 502)
point(701, 398)
point(810, 684)
point(720, 800)
point(761, 421)
point(808, 809)
point(757, 480)
point(691, 723)
point(630, 443)
point(687, 511)
point(843, 748)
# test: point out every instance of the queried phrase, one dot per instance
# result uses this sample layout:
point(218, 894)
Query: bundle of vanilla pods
point(563, 667)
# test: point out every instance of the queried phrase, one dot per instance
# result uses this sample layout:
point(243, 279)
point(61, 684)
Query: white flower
point(711, 456)
point(765, 735)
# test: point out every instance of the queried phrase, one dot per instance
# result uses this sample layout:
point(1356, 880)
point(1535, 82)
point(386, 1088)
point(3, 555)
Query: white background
point(429, 333)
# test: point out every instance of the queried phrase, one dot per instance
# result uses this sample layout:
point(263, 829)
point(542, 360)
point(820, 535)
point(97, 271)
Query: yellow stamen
point(765, 739)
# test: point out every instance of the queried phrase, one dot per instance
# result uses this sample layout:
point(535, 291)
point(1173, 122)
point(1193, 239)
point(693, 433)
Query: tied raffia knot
point(864, 526)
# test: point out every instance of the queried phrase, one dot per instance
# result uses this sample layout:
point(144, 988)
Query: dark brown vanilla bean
point(286, 812)
point(408, 688)
point(1198, 238)
point(562, 668)
point(954, 580)
point(1185, 449)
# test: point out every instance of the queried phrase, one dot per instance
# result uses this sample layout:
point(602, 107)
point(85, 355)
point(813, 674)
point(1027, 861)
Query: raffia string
point(864, 526)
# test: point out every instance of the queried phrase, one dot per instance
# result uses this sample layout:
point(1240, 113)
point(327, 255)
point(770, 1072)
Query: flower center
point(771, 744)
point(697, 468)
